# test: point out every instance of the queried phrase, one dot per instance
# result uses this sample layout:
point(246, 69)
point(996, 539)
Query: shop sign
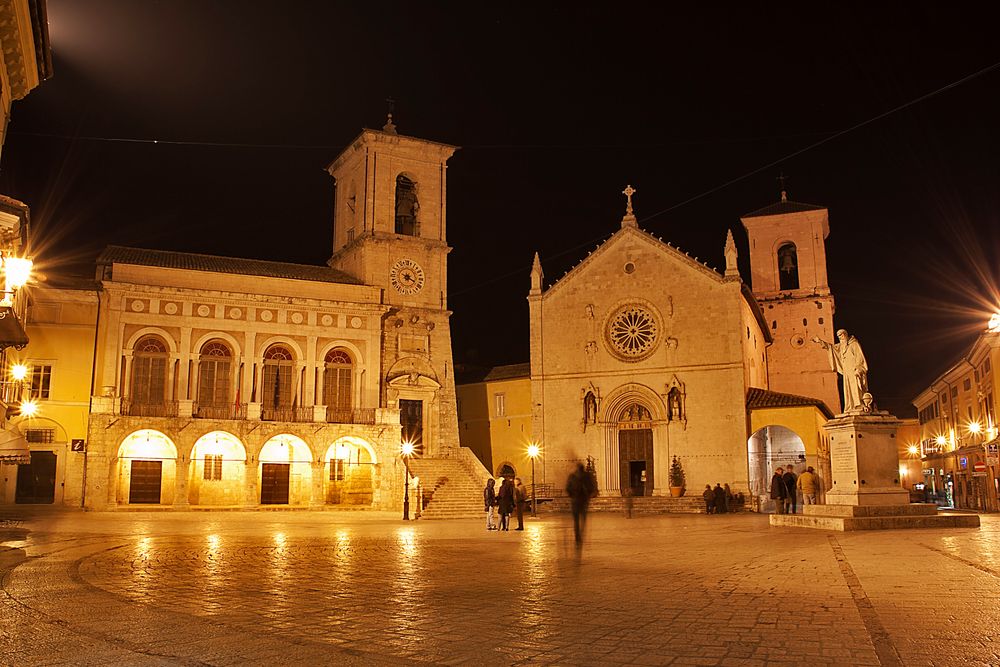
point(963, 462)
point(993, 460)
point(979, 474)
point(928, 471)
point(993, 449)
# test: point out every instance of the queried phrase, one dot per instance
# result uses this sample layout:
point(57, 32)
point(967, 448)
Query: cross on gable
point(628, 192)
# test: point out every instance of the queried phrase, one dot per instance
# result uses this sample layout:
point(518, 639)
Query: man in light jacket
point(807, 484)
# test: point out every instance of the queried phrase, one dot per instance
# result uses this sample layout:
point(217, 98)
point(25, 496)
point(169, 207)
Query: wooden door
point(411, 417)
point(36, 481)
point(274, 483)
point(144, 486)
point(636, 446)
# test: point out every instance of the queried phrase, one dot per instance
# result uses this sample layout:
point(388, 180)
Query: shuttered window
point(337, 380)
point(215, 374)
point(276, 391)
point(149, 371)
point(213, 467)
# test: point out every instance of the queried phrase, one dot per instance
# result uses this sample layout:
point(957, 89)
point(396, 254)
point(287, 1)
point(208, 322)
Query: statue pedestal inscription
point(864, 461)
point(865, 492)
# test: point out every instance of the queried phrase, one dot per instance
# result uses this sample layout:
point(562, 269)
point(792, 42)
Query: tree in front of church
point(676, 477)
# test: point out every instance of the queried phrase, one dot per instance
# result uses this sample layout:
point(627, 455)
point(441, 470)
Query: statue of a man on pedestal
point(847, 359)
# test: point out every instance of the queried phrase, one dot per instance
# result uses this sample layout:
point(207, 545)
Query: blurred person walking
point(580, 487)
point(520, 500)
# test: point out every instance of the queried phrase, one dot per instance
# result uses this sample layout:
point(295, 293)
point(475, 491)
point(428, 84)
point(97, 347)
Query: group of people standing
point(718, 500)
point(786, 485)
point(510, 497)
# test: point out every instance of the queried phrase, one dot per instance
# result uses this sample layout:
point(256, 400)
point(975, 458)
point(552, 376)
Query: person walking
point(778, 491)
point(791, 491)
point(520, 500)
point(720, 499)
point(627, 494)
point(490, 502)
point(709, 497)
point(580, 487)
point(506, 499)
point(807, 485)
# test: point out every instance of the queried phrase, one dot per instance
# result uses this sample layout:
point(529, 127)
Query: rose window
point(633, 332)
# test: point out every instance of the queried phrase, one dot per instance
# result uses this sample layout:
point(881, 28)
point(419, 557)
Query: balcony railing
point(220, 411)
point(287, 414)
point(350, 415)
point(161, 409)
point(12, 391)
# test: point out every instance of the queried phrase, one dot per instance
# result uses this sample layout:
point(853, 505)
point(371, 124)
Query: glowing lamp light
point(533, 451)
point(407, 449)
point(19, 372)
point(343, 452)
point(941, 440)
point(975, 427)
point(994, 325)
point(17, 270)
point(912, 449)
point(29, 409)
point(902, 471)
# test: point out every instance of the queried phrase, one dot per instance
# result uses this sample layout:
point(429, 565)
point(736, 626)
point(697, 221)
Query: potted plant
point(676, 478)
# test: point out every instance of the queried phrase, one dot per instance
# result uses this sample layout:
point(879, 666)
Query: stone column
point(251, 498)
point(182, 475)
point(318, 497)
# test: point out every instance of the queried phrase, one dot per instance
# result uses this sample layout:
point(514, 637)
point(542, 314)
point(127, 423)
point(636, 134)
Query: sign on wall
point(78, 445)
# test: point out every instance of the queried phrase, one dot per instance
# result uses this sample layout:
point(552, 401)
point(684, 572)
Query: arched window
point(788, 267)
point(407, 206)
point(215, 375)
point(337, 380)
point(276, 389)
point(149, 371)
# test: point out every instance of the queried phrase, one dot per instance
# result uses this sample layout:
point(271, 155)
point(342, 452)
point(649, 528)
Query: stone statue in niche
point(589, 312)
point(590, 408)
point(675, 406)
point(590, 348)
point(671, 343)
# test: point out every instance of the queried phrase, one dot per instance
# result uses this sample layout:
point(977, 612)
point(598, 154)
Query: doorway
point(635, 457)
point(36, 481)
point(144, 485)
point(274, 483)
point(411, 418)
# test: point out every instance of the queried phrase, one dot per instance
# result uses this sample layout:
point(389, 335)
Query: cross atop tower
point(389, 127)
point(781, 182)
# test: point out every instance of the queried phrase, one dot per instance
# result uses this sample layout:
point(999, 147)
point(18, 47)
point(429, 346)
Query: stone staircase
point(450, 489)
point(640, 505)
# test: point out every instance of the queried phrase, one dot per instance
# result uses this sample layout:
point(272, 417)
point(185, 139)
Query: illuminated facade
point(227, 382)
point(958, 430)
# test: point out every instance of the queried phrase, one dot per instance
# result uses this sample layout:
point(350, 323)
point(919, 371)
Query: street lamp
point(407, 450)
point(17, 271)
point(533, 454)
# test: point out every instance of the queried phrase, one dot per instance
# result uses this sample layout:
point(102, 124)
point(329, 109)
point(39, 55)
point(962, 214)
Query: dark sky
point(557, 107)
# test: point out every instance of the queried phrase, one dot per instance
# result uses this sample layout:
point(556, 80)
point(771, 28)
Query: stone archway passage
point(635, 461)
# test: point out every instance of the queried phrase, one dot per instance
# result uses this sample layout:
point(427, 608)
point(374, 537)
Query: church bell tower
point(389, 232)
point(788, 278)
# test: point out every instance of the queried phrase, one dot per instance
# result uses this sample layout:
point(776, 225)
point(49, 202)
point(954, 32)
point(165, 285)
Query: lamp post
point(407, 450)
point(533, 454)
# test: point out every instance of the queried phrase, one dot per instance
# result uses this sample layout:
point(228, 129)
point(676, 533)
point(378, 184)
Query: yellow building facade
point(958, 430)
point(495, 419)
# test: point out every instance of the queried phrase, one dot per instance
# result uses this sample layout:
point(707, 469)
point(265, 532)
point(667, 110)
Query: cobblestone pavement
point(317, 588)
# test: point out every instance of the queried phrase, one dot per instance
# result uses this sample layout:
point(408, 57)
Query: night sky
point(556, 108)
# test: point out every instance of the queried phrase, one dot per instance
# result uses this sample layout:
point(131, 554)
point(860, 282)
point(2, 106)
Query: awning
point(11, 332)
point(13, 448)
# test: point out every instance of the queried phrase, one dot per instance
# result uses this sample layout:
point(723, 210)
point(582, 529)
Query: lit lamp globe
point(975, 427)
point(29, 409)
point(994, 325)
point(407, 449)
point(912, 449)
point(533, 451)
point(19, 372)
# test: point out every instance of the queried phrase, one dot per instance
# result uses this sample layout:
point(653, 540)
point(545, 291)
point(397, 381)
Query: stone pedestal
point(865, 491)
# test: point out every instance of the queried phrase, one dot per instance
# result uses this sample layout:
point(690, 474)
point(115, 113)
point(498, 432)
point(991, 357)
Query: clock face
point(406, 276)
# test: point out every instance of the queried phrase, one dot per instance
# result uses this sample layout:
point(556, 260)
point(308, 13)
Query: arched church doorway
point(635, 450)
point(768, 449)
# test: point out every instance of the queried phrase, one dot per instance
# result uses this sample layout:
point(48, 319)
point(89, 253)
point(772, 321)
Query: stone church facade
point(641, 354)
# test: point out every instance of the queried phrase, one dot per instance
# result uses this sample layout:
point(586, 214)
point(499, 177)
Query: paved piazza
point(279, 588)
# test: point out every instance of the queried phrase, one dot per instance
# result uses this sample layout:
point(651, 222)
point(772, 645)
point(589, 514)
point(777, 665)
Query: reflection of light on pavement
point(142, 548)
point(279, 542)
point(408, 595)
point(539, 562)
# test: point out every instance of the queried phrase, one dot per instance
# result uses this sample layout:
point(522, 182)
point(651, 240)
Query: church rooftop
point(782, 207)
point(765, 398)
point(217, 264)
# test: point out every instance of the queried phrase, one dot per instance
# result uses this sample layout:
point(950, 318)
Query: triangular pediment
point(622, 236)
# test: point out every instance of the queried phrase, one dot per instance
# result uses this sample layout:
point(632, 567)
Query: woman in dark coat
point(778, 491)
point(506, 498)
point(720, 499)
